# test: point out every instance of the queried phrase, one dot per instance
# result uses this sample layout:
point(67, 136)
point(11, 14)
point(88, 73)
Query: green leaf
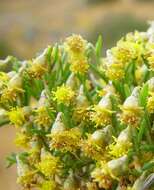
point(127, 90)
point(55, 52)
point(98, 46)
point(10, 160)
point(4, 122)
point(147, 148)
point(147, 166)
point(142, 130)
point(98, 73)
point(143, 95)
point(48, 55)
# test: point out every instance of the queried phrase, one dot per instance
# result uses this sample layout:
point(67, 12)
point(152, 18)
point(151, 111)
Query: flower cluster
point(83, 121)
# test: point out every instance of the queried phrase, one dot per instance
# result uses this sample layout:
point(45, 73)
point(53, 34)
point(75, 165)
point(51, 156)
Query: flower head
point(17, 116)
point(42, 117)
point(64, 94)
point(22, 140)
point(94, 145)
point(49, 165)
point(48, 185)
point(121, 145)
point(79, 65)
point(75, 44)
point(115, 71)
point(102, 178)
point(26, 176)
point(67, 140)
point(151, 62)
point(150, 104)
point(131, 111)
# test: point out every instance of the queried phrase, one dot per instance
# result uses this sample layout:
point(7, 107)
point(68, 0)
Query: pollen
point(64, 94)
point(16, 116)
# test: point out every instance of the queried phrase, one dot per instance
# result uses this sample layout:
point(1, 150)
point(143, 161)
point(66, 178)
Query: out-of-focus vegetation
point(30, 31)
point(99, 1)
point(5, 49)
point(114, 26)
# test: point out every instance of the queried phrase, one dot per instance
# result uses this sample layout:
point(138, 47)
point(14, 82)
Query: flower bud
point(22, 168)
point(138, 185)
point(140, 73)
point(11, 74)
point(105, 102)
point(70, 183)
point(43, 99)
point(125, 135)
point(131, 102)
point(72, 81)
point(136, 92)
point(58, 125)
point(6, 65)
point(41, 59)
point(3, 115)
point(81, 99)
point(102, 136)
point(15, 81)
point(150, 83)
point(118, 166)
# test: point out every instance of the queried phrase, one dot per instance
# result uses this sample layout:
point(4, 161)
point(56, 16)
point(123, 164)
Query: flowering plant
point(82, 122)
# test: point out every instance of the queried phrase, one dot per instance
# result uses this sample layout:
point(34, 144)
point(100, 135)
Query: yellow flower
point(16, 116)
point(119, 149)
point(48, 185)
point(27, 179)
point(49, 165)
point(75, 44)
point(94, 145)
point(140, 73)
point(3, 79)
point(36, 70)
point(81, 113)
point(22, 140)
point(10, 94)
point(131, 112)
point(115, 71)
point(150, 104)
point(125, 51)
point(102, 178)
point(91, 186)
point(26, 176)
point(92, 149)
point(101, 116)
point(67, 140)
point(42, 117)
point(38, 67)
point(150, 83)
point(64, 94)
point(79, 65)
point(121, 145)
point(151, 62)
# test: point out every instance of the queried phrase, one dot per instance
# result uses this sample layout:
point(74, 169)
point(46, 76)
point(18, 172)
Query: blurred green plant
point(99, 1)
point(112, 27)
point(5, 49)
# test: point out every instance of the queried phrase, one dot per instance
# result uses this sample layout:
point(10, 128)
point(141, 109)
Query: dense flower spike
point(82, 121)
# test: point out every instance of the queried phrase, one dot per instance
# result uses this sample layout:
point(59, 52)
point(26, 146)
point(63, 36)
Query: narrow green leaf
point(147, 166)
point(127, 90)
point(143, 95)
point(10, 160)
point(142, 130)
point(147, 148)
point(55, 53)
point(98, 46)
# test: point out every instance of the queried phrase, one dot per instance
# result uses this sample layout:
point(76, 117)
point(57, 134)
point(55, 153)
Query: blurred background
point(27, 26)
